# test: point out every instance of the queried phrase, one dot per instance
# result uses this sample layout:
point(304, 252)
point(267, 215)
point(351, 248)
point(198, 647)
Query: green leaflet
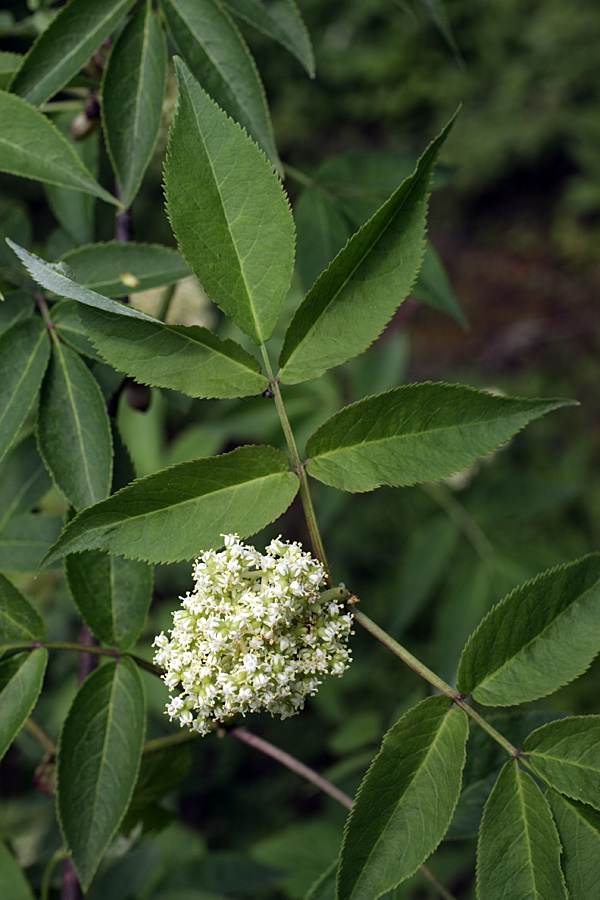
point(178, 512)
point(229, 212)
point(66, 320)
point(19, 621)
point(98, 759)
point(324, 887)
point(31, 146)
point(541, 636)
point(406, 800)
point(282, 21)
point(21, 679)
point(415, 433)
point(518, 851)
point(25, 540)
point(77, 30)
point(73, 430)
point(579, 831)
point(433, 288)
point(75, 210)
point(161, 772)
point(132, 96)
point(23, 480)
point(184, 358)
point(322, 232)
point(353, 300)
point(112, 595)
point(52, 276)
point(24, 352)
point(9, 63)
point(102, 267)
point(566, 754)
point(13, 883)
point(220, 61)
point(15, 306)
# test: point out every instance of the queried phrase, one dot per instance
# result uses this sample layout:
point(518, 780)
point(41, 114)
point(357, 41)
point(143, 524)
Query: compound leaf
point(24, 352)
point(566, 754)
point(112, 595)
point(541, 636)
point(176, 513)
point(21, 678)
point(220, 61)
point(132, 97)
point(406, 800)
point(98, 760)
point(73, 430)
point(518, 851)
point(31, 146)
point(229, 212)
point(187, 358)
point(77, 30)
point(355, 297)
point(415, 433)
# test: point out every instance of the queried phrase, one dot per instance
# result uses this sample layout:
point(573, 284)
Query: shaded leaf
point(9, 63)
point(433, 288)
point(112, 595)
point(24, 352)
point(579, 831)
point(23, 480)
point(518, 852)
point(229, 212)
point(218, 58)
point(73, 431)
point(74, 210)
point(31, 146)
point(53, 277)
point(406, 800)
point(280, 20)
point(187, 358)
point(132, 97)
point(324, 887)
point(66, 320)
point(322, 232)
point(13, 883)
point(541, 636)
point(98, 759)
point(566, 754)
point(353, 300)
point(177, 513)
point(19, 621)
point(15, 306)
point(25, 541)
point(161, 772)
point(77, 30)
point(21, 678)
point(415, 433)
point(102, 267)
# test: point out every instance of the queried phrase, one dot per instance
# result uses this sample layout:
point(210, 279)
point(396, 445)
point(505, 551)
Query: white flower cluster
point(254, 635)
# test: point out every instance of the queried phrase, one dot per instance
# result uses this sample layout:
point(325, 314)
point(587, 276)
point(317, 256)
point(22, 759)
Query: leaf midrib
point(75, 49)
point(76, 418)
point(543, 755)
point(399, 802)
point(526, 829)
point(495, 674)
point(415, 181)
point(257, 327)
point(414, 434)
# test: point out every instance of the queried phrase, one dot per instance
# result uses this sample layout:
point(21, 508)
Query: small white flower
point(253, 635)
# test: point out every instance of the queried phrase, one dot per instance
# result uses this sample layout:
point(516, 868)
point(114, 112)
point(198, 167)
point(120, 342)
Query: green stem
point(42, 737)
point(305, 497)
point(421, 669)
point(54, 860)
point(169, 740)
point(81, 648)
point(165, 303)
point(299, 176)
